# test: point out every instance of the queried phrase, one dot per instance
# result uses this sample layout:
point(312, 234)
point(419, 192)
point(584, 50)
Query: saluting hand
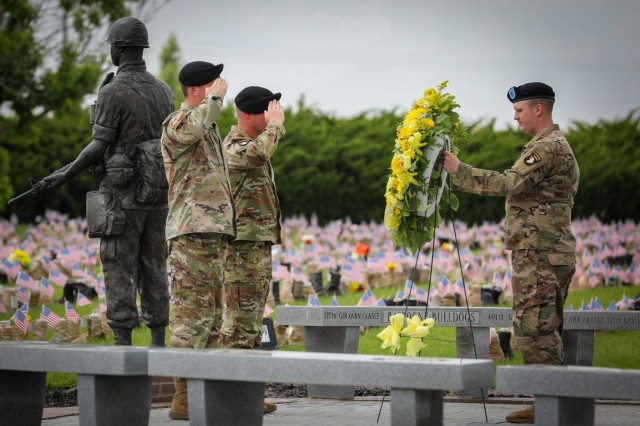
point(274, 112)
point(219, 85)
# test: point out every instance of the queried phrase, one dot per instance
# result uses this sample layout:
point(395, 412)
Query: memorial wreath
point(417, 181)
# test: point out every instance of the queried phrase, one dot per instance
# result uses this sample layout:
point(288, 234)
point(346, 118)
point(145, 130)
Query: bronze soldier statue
point(129, 211)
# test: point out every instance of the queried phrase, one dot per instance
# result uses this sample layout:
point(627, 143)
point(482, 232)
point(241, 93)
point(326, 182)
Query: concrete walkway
point(364, 411)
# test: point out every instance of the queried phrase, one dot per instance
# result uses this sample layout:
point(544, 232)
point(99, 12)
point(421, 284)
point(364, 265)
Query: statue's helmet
point(128, 32)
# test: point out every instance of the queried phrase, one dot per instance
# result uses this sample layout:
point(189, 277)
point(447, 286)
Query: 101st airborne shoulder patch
point(532, 159)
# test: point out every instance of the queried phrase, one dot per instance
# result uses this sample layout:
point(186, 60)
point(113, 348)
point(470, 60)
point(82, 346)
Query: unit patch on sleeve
point(532, 159)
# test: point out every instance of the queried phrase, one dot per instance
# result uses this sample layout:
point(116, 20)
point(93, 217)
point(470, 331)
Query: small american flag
point(76, 271)
point(5, 252)
point(23, 295)
point(47, 264)
point(102, 308)
point(70, 313)
point(88, 276)
point(367, 299)
point(25, 280)
point(11, 269)
point(82, 300)
point(21, 321)
point(313, 301)
point(46, 288)
point(279, 272)
point(49, 316)
point(326, 262)
point(58, 278)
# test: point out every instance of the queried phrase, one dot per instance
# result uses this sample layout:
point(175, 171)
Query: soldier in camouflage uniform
point(201, 215)
point(126, 121)
point(249, 147)
point(539, 189)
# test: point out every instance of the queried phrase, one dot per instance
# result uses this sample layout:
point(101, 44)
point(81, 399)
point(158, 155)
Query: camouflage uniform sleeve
point(247, 153)
point(531, 168)
point(186, 127)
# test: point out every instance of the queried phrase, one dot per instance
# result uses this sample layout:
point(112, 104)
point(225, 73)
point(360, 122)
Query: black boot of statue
point(121, 336)
point(316, 282)
point(334, 284)
point(158, 337)
point(275, 287)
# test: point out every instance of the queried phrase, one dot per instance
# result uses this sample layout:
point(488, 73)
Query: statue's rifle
point(37, 185)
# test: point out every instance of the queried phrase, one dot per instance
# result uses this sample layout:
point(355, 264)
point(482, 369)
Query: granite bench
point(226, 386)
point(337, 329)
point(565, 395)
point(113, 383)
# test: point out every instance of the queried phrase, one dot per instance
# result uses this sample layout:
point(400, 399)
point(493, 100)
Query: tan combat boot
point(75, 335)
point(40, 331)
point(106, 330)
point(270, 407)
point(61, 332)
point(179, 406)
point(95, 328)
point(525, 415)
point(495, 351)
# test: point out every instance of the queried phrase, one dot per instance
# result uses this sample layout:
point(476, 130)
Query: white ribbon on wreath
point(428, 203)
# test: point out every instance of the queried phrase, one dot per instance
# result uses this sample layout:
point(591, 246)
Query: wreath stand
point(428, 202)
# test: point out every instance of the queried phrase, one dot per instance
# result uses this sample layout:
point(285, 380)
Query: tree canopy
point(328, 165)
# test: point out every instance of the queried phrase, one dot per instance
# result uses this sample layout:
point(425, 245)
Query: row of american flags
point(60, 252)
point(22, 319)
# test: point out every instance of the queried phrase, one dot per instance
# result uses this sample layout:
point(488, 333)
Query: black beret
point(533, 90)
point(199, 73)
point(255, 99)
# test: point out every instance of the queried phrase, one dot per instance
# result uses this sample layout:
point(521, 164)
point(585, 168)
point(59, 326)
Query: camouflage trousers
point(247, 279)
point(540, 283)
point(196, 265)
point(134, 263)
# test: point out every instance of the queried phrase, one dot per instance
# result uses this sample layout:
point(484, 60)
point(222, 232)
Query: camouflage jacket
point(539, 187)
point(194, 161)
point(253, 184)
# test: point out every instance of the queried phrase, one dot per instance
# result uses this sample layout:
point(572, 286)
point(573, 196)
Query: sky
point(351, 56)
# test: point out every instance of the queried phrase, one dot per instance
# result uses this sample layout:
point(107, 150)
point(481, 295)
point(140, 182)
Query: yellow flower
point(20, 256)
point(392, 266)
point(428, 123)
point(406, 162)
point(415, 114)
point(410, 154)
point(391, 219)
point(433, 98)
point(396, 164)
point(390, 336)
point(403, 133)
point(417, 327)
point(414, 346)
point(391, 199)
point(414, 142)
point(429, 92)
